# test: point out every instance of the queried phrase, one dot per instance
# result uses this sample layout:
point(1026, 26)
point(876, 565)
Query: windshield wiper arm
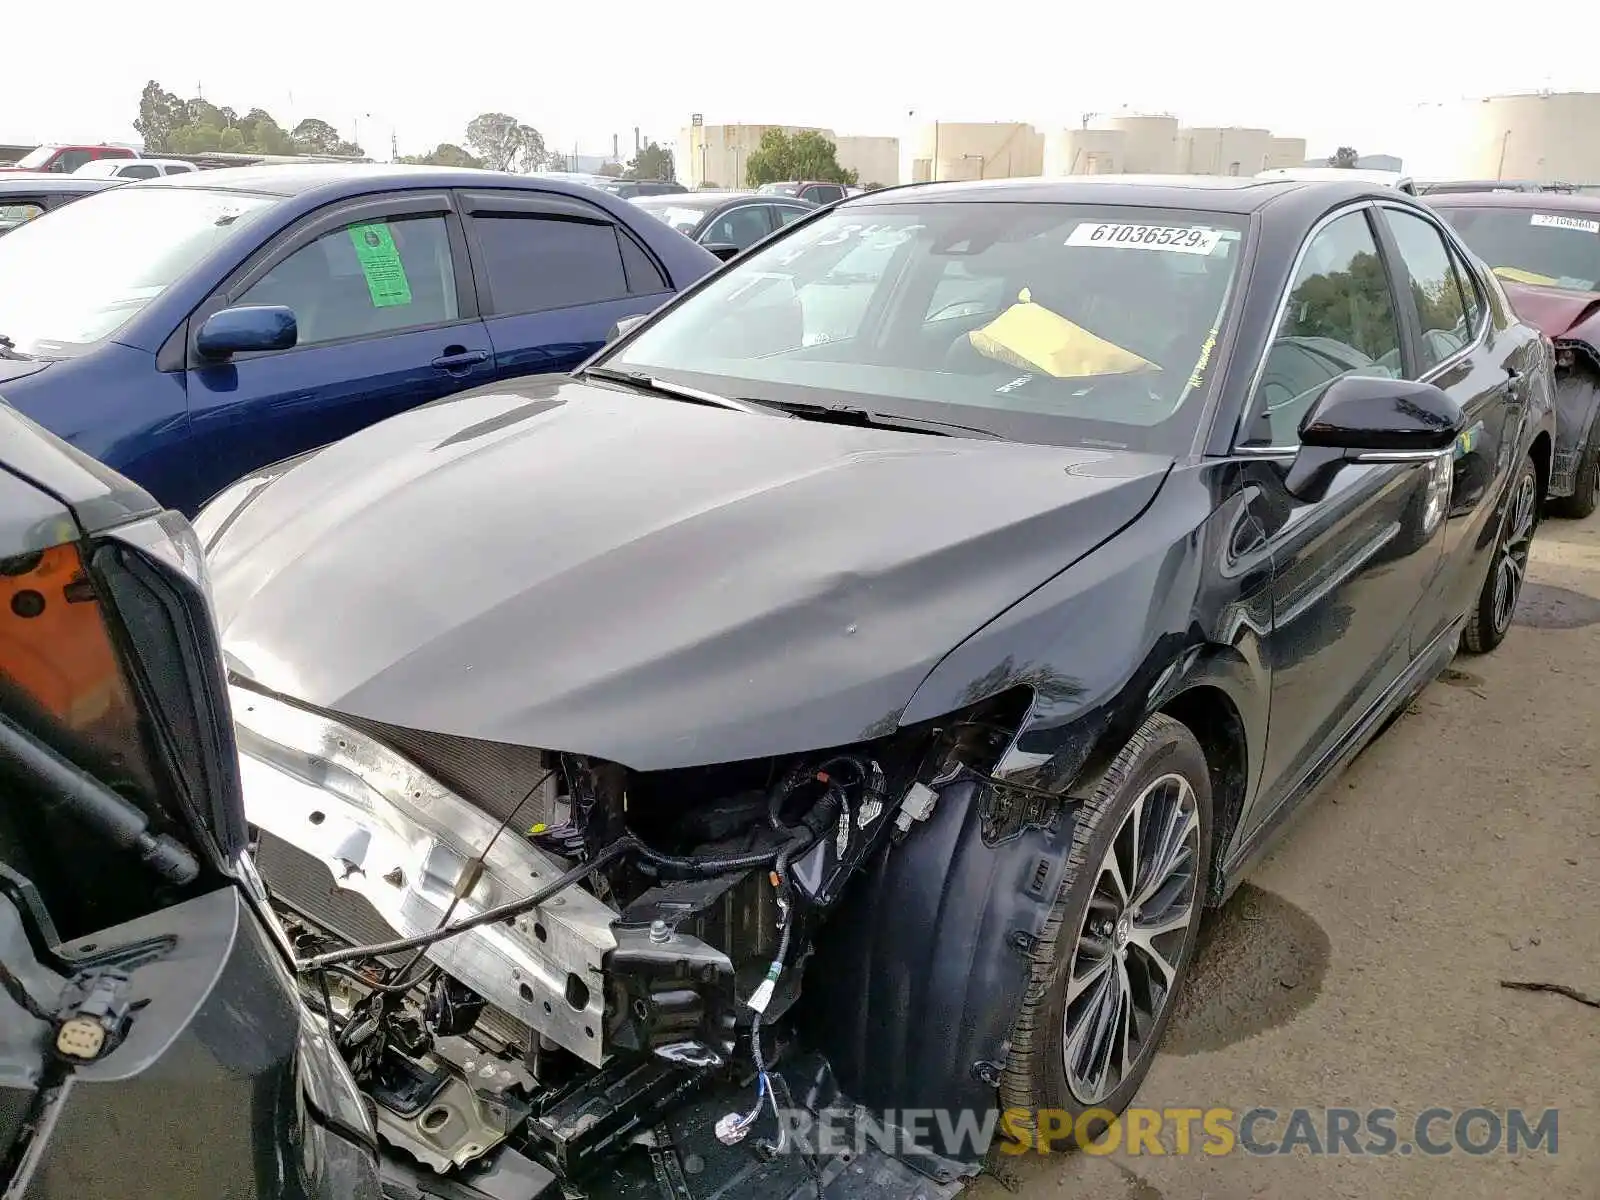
point(660, 387)
point(845, 414)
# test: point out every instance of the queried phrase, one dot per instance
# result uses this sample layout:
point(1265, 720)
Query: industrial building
point(718, 155)
point(1124, 144)
point(1539, 135)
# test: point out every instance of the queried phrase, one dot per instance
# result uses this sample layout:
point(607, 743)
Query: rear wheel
point(1490, 617)
point(1117, 944)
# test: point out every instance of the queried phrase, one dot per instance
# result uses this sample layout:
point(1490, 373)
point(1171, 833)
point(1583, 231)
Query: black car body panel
point(726, 586)
point(215, 1080)
point(682, 589)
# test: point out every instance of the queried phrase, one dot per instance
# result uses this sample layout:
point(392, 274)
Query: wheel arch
point(1209, 713)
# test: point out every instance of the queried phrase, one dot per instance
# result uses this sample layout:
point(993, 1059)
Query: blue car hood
point(653, 582)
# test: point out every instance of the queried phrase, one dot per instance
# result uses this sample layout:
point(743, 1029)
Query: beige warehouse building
point(720, 154)
point(1157, 144)
point(1542, 135)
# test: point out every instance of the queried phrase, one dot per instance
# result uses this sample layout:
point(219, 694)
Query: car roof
point(700, 201)
point(1207, 193)
point(1548, 201)
point(1334, 174)
point(35, 182)
point(297, 179)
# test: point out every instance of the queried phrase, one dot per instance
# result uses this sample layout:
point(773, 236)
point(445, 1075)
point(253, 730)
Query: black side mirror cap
point(1361, 418)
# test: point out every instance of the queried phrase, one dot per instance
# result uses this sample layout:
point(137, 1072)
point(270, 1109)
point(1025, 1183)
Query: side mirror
point(1360, 418)
point(626, 326)
point(247, 328)
point(722, 250)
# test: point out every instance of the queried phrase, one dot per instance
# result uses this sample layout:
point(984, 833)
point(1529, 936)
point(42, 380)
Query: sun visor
point(1030, 337)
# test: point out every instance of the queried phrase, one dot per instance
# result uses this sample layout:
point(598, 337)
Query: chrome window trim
point(1283, 306)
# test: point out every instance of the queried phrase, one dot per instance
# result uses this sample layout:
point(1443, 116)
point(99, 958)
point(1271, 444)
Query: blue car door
point(387, 318)
point(554, 274)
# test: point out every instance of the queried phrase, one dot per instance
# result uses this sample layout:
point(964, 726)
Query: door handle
point(456, 358)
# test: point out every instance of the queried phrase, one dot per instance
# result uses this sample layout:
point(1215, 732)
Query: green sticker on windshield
point(380, 263)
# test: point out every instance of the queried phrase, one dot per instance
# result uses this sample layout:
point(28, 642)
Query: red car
point(1545, 249)
point(66, 159)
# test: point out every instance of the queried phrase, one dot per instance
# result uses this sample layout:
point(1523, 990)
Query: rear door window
point(1435, 289)
point(364, 279)
point(137, 171)
point(532, 263)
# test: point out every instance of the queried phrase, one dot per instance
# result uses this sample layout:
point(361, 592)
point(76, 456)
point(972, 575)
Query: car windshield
point(1548, 249)
point(72, 281)
point(35, 158)
point(1061, 324)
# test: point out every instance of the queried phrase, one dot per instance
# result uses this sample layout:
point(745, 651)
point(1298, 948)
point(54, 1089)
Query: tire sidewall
point(1174, 749)
point(1486, 636)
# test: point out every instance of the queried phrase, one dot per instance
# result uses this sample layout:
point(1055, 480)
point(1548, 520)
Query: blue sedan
point(188, 330)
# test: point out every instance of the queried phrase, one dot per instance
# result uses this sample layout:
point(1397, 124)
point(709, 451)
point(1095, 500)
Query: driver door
point(1350, 568)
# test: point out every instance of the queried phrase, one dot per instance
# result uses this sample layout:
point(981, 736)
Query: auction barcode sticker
point(1181, 239)
point(1551, 221)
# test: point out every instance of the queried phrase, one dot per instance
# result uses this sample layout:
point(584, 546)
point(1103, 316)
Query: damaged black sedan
point(842, 697)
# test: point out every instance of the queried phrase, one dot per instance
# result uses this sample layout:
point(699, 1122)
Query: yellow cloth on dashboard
point(1032, 338)
point(1533, 278)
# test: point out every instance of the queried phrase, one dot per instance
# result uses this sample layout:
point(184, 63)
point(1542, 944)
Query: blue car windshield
point(1065, 324)
point(72, 278)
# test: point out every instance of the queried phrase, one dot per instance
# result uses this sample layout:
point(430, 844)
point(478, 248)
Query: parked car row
point(848, 686)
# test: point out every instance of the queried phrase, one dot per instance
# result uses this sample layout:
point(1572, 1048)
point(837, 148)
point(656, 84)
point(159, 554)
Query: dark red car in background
point(64, 160)
point(1545, 250)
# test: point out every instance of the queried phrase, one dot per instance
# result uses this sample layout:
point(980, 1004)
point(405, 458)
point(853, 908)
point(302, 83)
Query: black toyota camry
point(850, 687)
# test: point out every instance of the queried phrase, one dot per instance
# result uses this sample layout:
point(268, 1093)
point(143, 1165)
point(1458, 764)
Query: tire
point(1585, 496)
point(1490, 618)
point(1161, 766)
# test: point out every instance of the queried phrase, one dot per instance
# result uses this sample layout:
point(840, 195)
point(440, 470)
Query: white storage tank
point(1085, 152)
point(970, 150)
point(1223, 151)
point(1149, 143)
point(1544, 136)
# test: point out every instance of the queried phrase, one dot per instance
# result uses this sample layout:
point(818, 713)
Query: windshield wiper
point(660, 387)
point(8, 349)
point(844, 414)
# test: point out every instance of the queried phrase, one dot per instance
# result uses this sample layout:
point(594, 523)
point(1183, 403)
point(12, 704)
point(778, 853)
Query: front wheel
point(1117, 944)
point(1490, 617)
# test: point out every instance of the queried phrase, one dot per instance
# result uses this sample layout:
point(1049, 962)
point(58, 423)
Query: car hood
point(20, 368)
point(653, 582)
point(1555, 312)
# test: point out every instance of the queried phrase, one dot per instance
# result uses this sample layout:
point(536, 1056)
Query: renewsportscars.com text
point(1376, 1132)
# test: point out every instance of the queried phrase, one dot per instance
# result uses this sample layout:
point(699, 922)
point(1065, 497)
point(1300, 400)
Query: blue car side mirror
point(247, 328)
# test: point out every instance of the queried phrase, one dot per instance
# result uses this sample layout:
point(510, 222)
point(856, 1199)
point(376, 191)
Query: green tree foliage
point(652, 162)
point(611, 170)
point(807, 155)
point(445, 154)
point(504, 143)
point(1344, 156)
point(1351, 307)
point(170, 125)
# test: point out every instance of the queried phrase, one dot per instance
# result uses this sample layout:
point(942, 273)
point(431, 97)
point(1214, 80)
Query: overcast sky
point(1346, 73)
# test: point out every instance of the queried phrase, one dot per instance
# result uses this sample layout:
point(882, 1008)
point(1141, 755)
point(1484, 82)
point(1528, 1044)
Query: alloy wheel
point(1125, 963)
point(1511, 565)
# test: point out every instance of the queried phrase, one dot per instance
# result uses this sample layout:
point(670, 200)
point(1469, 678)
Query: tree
point(611, 170)
point(1344, 156)
point(505, 143)
point(652, 162)
point(445, 154)
point(806, 155)
point(160, 113)
point(174, 126)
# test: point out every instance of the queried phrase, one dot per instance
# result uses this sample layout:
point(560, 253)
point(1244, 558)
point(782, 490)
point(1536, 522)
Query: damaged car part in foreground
point(595, 1011)
point(845, 698)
